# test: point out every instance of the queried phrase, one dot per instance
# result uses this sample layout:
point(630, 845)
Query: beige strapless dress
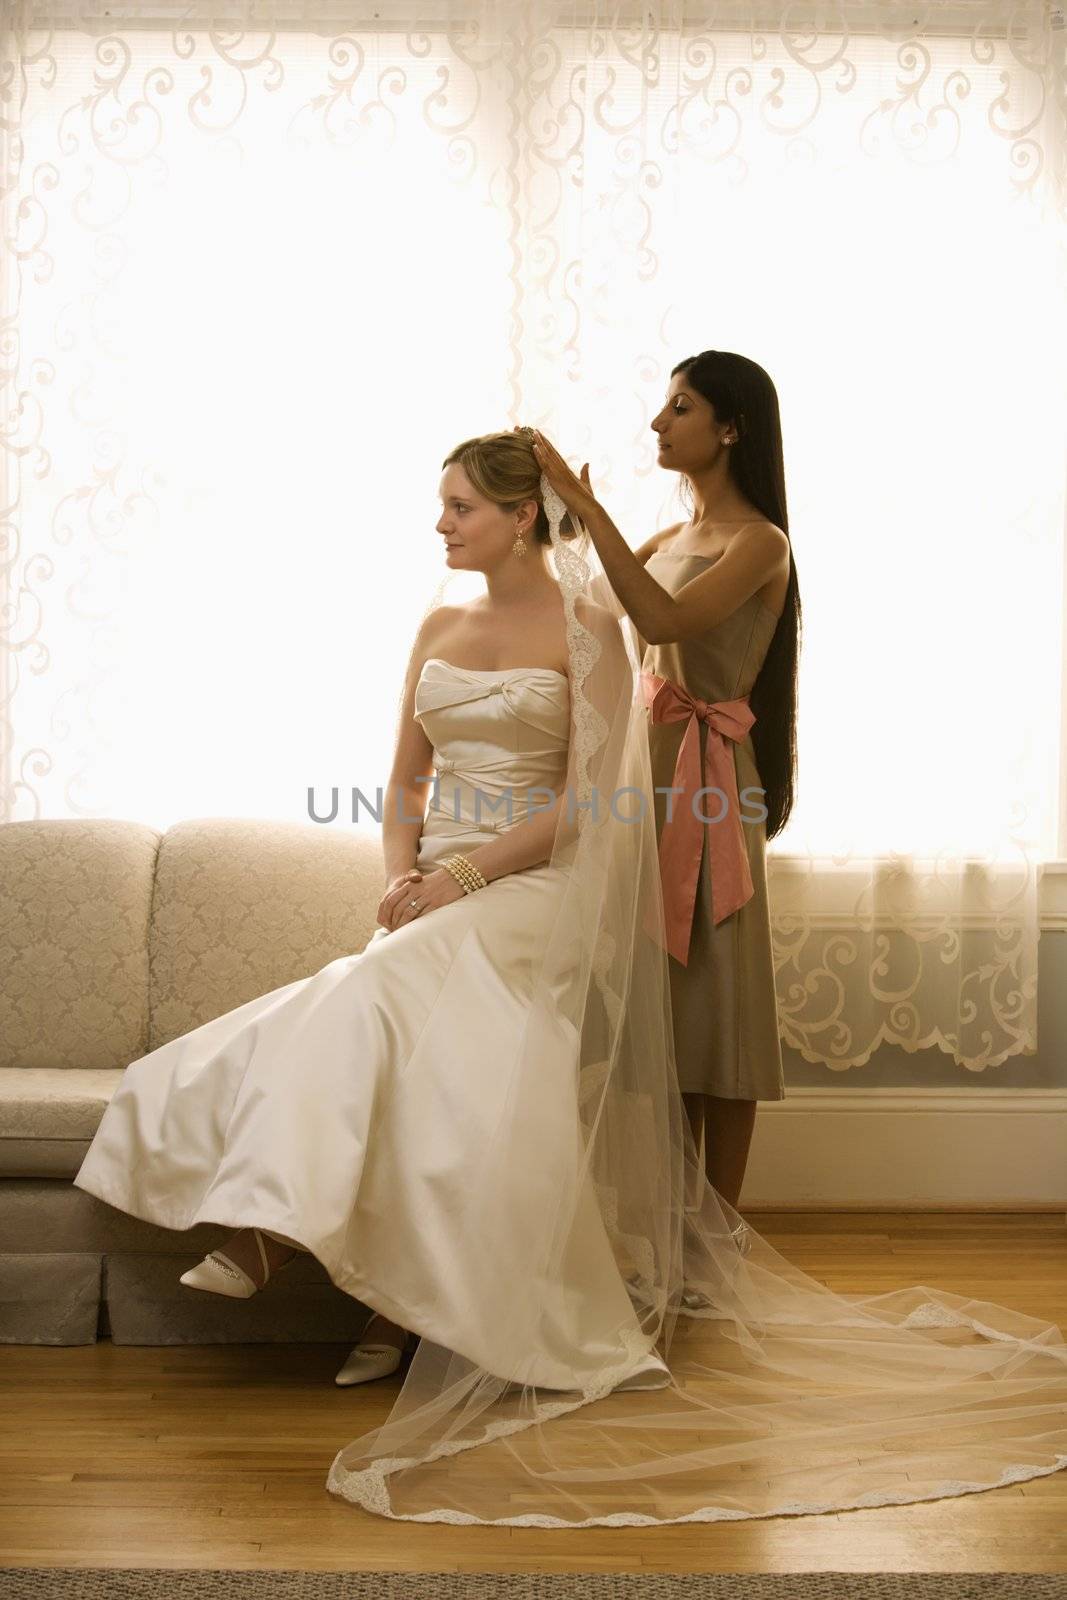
point(725, 1018)
point(389, 1113)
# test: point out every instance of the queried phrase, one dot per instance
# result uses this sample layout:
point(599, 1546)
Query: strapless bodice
point(500, 739)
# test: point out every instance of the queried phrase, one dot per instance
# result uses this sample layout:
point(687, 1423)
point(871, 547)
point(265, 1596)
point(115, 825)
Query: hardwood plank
point(216, 1456)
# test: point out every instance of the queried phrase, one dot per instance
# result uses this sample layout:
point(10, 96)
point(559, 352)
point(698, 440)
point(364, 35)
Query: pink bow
point(679, 849)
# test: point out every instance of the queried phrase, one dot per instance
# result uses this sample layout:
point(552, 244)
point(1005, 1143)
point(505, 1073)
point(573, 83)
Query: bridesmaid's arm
point(642, 553)
point(753, 557)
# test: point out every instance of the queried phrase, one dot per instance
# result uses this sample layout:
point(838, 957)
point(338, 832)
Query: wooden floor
point(216, 1456)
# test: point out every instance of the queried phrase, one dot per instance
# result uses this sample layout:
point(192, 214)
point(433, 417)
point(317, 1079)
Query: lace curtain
point(264, 264)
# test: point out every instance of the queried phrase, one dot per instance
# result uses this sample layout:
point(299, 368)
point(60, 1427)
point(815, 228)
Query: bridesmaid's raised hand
point(575, 492)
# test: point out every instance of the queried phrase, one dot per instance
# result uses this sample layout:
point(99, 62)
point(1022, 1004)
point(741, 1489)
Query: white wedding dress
point(473, 1126)
point(349, 1111)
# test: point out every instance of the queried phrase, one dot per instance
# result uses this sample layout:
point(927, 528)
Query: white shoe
point(692, 1299)
point(369, 1360)
point(218, 1274)
point(651, 1374)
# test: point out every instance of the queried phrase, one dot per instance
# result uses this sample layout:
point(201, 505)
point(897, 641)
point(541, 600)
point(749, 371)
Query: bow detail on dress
point(680, 841)
point(535, 694)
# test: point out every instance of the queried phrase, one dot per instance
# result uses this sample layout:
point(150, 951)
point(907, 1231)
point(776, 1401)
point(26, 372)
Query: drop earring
point(519, 547)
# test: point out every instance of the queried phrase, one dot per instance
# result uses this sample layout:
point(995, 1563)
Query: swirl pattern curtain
point(264, 264)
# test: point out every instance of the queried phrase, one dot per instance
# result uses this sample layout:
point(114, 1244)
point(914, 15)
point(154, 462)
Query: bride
point(357, 1114)
point(475, 1125)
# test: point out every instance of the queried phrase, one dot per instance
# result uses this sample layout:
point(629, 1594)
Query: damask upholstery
point(115, 938)
point(241, 908)
point(75, 902)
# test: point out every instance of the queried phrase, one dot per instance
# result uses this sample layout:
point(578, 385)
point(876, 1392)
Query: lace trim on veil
point(370, 1489)
point(369, 1486)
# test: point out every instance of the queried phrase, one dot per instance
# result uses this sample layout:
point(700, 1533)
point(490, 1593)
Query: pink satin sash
point(680, 841)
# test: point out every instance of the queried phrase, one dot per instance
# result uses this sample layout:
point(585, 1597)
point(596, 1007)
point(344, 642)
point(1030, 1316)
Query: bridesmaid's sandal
point(372, 1359)
point(692, 1299)
point(219, 1275)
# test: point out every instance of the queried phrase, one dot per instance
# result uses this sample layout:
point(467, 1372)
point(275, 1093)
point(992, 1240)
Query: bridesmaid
point(716, 608)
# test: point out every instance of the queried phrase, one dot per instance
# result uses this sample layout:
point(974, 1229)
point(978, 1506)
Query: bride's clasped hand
point(413, 894)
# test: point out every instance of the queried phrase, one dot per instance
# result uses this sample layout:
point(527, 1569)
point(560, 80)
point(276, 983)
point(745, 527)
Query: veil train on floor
point(784, 1396)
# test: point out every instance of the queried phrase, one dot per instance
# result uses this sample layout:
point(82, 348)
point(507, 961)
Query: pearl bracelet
point(465, 873)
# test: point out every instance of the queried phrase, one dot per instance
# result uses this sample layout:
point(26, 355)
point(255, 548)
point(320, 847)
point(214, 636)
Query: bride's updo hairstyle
point(502, 467)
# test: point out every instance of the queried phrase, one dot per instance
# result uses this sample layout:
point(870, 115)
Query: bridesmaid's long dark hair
point(740, 392)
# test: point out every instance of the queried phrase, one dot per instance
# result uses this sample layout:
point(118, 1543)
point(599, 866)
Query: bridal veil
point(784, 1397)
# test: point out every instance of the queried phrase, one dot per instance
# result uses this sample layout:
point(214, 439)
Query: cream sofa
point(115, 938)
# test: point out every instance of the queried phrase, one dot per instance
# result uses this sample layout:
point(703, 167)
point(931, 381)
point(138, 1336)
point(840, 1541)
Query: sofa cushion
point(242, 907)
point(48, 1116)
point(75, 898)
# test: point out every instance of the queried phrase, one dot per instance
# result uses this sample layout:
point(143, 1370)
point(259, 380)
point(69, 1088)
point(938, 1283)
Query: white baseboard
point(909, 1149)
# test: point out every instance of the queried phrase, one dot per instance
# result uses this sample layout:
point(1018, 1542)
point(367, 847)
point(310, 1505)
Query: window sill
point(841, 887)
